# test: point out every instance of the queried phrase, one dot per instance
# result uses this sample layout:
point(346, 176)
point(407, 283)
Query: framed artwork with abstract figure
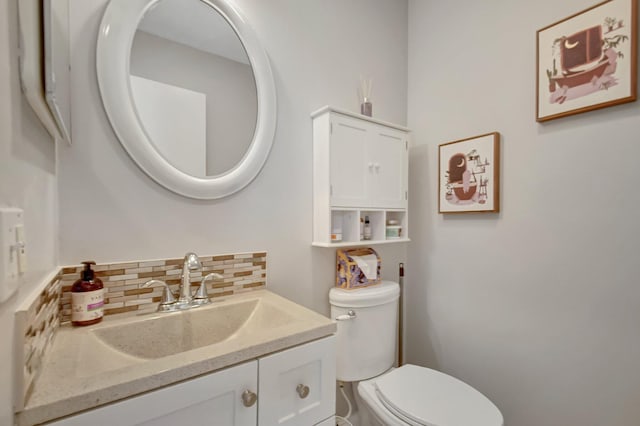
point(588, 60)
point(469, 175)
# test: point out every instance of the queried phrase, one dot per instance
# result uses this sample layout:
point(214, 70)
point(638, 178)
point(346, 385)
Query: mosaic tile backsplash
point(36, 325)
point(124, 294)
point(123, 281)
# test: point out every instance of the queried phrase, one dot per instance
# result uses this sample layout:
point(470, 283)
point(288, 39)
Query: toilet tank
point(366, 342)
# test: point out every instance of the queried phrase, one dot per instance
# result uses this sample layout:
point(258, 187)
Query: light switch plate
point(10, 219)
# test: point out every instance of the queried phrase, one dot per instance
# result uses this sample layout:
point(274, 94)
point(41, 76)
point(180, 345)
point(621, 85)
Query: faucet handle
point(202, 297)
point(168, 300)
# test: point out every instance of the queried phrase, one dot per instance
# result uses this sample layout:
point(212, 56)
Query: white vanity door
point(297, 386)
point(212, 400)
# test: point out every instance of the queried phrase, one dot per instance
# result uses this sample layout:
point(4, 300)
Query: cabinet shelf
point(360, 170)
point(359, 243)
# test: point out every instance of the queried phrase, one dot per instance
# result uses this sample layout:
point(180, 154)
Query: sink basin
point(167, 334)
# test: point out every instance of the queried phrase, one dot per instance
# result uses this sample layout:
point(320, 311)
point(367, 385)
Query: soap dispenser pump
point(87, 297)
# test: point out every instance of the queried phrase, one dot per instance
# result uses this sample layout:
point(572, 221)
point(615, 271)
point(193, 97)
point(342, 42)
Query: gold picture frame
point(587, 61)
point(469, 175)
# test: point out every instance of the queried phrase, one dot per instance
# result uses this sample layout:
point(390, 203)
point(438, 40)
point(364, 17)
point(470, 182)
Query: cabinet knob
point(249, 398)
point(370, 166)
point(377, 166)
point(303, 390)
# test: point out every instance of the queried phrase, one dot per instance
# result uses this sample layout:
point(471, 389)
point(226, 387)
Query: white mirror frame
point(115, 38)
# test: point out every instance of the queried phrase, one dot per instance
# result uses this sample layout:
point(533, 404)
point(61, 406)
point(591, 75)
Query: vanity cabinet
point(214, 399)
point(292, 387)
point(360, 169)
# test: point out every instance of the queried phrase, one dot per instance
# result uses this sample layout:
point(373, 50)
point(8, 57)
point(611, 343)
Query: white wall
point(110, 210)
point(538, 306)
point(28, 181)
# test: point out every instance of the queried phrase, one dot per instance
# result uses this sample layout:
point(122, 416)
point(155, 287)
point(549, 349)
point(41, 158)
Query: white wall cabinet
point(292, 387)
point(360, 168)
point(367, 164)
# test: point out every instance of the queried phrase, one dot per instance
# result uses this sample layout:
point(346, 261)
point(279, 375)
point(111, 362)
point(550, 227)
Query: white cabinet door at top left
point(212, 400)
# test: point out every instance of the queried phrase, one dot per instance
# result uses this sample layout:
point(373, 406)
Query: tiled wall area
point(38, 319)
point(123, 281)
point(36, 325)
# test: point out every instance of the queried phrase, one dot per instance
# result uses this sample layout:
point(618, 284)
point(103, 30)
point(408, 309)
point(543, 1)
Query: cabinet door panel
point(212, 400)
point(388, 154)
point(283, 376)
point(348, 166)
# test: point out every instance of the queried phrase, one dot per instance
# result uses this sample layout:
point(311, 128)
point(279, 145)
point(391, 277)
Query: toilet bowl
point(408, 395)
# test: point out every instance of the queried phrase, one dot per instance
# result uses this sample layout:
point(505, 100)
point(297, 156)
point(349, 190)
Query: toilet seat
point(418, 396)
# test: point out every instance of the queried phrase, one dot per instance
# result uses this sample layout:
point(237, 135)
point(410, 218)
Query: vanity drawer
point(297, 386)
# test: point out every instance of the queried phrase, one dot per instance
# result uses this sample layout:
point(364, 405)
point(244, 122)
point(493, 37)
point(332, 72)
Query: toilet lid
point(421, 396)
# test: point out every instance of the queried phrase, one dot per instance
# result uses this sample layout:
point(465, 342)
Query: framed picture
point(587, 61)
point(469, 175)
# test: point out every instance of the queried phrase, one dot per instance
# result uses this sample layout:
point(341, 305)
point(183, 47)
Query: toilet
point(387, 396)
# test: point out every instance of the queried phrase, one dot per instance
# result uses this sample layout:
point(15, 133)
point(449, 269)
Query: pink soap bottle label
point(87, 306)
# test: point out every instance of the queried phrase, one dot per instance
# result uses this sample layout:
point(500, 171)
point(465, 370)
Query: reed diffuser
point(366, 85)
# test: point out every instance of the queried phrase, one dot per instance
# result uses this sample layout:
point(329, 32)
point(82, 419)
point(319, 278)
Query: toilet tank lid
point(379, 294)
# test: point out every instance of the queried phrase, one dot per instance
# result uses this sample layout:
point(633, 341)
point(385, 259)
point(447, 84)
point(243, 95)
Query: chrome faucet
point(185, 298)
point(191, 263)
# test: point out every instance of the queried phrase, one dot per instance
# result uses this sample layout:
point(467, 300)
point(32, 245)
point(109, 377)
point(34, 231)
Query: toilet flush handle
point(351, 314)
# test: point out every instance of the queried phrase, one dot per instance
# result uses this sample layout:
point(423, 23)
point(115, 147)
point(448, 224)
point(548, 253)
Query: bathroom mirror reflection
point(193, 87)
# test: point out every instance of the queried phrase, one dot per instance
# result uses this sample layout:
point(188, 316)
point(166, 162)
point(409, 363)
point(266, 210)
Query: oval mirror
point(188, 91)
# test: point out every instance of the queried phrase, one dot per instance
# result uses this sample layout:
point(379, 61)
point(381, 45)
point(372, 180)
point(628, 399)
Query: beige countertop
point(80, 371)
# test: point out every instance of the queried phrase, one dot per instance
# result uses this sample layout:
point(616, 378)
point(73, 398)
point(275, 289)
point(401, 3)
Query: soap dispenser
point(87, 297)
